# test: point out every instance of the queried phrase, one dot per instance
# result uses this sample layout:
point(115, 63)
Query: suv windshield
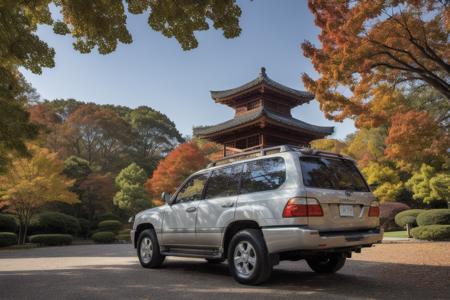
point(331, 173)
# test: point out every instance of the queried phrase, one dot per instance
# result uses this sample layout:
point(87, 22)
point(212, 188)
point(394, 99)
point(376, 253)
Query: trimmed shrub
point(408, 217)
point(104, 237)
point(8, 223)
point(85, 227)
point(107, 216)
point(434, 217)
point(55, 222)
point(7, 239)
point(109, 225)
point(123, 237)
point(432, 232)
point(51, 239)
point(125, 231)
point(388, 211)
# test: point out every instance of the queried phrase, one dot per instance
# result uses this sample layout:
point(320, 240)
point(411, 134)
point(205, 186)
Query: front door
point(180, 217)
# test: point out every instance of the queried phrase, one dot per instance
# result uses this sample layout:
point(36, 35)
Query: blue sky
point(156, 72)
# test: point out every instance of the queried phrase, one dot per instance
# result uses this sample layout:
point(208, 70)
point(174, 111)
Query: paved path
point(113, 272)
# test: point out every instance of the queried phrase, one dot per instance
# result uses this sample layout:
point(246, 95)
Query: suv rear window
point(331, 173)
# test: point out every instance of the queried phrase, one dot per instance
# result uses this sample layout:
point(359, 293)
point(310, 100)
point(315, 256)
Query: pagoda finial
point(262, 73)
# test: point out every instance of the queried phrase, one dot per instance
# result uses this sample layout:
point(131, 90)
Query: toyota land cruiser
point(257, 208)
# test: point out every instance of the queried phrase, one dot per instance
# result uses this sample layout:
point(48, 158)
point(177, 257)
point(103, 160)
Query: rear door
point(217, 208)
point(341, 191)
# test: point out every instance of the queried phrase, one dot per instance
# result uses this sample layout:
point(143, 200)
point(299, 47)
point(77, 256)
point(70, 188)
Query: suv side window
point(224, 182)
point(263, 175)
point(193, 189)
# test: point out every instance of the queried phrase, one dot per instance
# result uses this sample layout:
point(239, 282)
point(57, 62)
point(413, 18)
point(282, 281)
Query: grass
point(396, 234)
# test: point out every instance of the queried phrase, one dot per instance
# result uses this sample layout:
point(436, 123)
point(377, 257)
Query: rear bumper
point(281, 239)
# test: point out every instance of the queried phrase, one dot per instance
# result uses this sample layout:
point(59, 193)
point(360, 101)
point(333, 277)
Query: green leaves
point(429, 185)
point(131, 195)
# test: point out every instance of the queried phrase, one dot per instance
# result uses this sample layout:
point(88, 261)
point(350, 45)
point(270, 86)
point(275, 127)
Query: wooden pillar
point(224, 150)
point(263, 140)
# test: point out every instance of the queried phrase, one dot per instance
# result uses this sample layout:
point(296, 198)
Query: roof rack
point(268, 151)
point(250, 154)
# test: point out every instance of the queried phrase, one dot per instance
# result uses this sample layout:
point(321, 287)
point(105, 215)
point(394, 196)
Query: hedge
point(7, 239)
point(407, 217)
point(54, 222)
point(432, 232)
point(388, 211)
point(109, 225)
point(51, 239)
point(434, 217)
point(8, 223)
point(123, 237)
point(125, 231)
point(85, 227)
point(107, 217)
point(104, 237)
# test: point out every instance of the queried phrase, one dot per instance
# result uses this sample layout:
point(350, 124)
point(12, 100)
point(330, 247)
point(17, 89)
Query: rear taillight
point(302, 207)
point(374, 210)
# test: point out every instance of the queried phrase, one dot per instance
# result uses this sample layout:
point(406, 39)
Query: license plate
point(346, 210)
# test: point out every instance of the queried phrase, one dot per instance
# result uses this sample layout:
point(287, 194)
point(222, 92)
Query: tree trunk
point(19, 240)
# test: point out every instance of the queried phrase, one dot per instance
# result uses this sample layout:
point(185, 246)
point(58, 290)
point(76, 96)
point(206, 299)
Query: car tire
point(215, 260)
point(327, 264)
point(148, 250)
point(248, 258)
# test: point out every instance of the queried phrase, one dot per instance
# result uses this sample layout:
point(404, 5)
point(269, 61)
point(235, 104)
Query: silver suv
point(257, 208)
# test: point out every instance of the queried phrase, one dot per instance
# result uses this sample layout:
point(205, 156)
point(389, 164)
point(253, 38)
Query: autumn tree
point(370, 49)
point(32, 182)
point(97, 192)
point(385, 181)
point(415, 137)
point(176, 167)
point(331, 145)
point(154, 136)
point(96, 134)
point(366, 145)
point(131, 195)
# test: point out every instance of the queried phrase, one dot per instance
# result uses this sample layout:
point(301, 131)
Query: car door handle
point(230, 204)
point(191, 209)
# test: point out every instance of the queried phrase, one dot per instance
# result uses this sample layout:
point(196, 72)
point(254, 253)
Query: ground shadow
point(196, 279)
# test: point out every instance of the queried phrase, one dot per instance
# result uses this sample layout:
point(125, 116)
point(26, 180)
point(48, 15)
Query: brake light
point(374, 210)
point(302, 207)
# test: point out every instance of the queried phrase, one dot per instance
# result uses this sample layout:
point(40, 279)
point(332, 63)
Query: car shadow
point(197, 279)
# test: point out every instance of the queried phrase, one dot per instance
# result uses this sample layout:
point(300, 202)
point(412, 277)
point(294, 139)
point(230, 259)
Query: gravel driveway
point(391, 271)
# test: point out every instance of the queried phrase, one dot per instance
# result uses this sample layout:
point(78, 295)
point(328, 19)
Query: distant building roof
point(203, 131)
point(263, 79)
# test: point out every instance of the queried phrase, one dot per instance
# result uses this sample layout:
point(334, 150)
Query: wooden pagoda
point(262, 117)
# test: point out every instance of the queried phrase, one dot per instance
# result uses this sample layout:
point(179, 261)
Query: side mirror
point(166, 197)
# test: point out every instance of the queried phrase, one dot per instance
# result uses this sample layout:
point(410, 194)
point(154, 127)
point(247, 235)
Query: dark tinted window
point(193, 189)
point(330, 173)
point(223, 182)
point(263, 175)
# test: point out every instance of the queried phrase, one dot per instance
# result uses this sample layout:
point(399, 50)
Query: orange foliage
point(414, 135)
point(176, 166)
point(368, 48)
